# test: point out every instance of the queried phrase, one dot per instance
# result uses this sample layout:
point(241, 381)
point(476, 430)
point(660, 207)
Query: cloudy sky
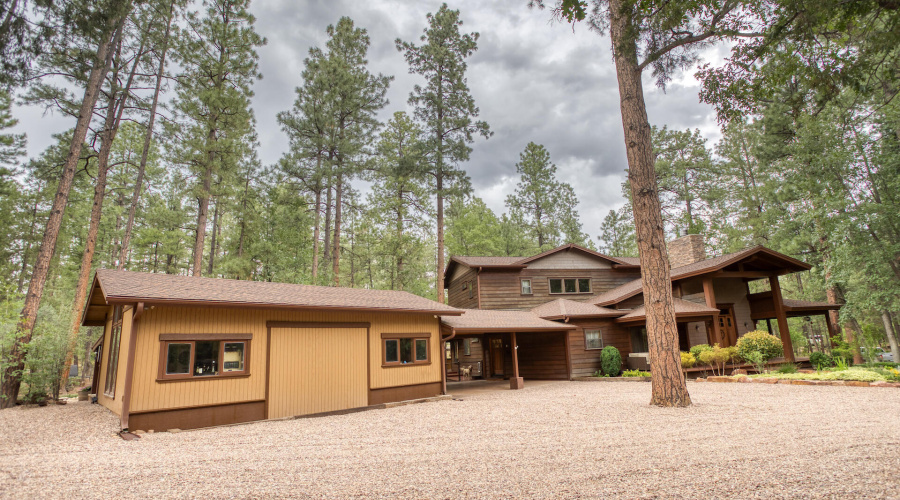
point(532, 80)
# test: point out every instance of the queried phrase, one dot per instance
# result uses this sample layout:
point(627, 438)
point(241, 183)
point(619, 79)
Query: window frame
point(563, 286)
point(599, 332)
point(385, 337)
point(185, 338)
point(112, 354)
point(530, 286)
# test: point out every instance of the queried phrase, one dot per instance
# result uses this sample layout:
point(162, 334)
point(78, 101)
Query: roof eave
point(149, 301)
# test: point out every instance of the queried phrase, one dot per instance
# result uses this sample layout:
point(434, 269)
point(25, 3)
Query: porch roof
point(762, 307)
point(481, 320)
point(683, 308)
point(758, 257)
point(564, 309)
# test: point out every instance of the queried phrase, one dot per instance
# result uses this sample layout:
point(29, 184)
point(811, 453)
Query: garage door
point(314, 370)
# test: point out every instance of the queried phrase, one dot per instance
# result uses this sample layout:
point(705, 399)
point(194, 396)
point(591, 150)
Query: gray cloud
point(532, 80)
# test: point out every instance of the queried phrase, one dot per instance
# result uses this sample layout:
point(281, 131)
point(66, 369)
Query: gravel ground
point(564, 440)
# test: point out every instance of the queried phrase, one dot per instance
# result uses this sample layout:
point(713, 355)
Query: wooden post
point(782, 319)
point(568, 356)
point(830, 326)
point(710, 295)
point(515, 382)
point(769, 324)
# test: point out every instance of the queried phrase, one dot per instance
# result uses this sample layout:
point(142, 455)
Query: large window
point(570, 285)
point(405, 349)
point(639, 339)
point(112, 356)
point(526, 286)
point(194, 357)
point(593, 339)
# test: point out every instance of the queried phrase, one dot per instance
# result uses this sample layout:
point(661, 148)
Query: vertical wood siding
point(149, 394)
point(115, 403)
point(104, 365)
point(315, 370)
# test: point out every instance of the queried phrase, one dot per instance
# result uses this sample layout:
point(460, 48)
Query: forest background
point(169, 179)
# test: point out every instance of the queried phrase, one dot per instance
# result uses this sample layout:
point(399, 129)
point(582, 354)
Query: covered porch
point(763, 307)
point(505, 345)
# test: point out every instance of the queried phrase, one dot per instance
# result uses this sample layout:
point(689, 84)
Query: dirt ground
point(560, 440)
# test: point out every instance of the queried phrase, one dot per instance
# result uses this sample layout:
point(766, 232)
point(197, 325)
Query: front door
point(726, 327)
point(496, 357)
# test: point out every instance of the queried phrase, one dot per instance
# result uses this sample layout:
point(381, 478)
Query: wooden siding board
point(456, 296)
point(501, 289)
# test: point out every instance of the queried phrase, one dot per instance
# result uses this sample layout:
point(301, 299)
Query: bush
point(717, 357)
point(610, 361)
point(820, 360)
point(688, 360)
point(787, 368)
point(697, 349)
point(635, 373)
point(768, 346)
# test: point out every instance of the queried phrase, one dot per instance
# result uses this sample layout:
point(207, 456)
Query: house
point(185, 352)
point(549, 315)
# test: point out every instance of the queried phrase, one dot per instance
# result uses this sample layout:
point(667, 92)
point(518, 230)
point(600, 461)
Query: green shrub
point(769, 346)
point(717, 357)
point(635, 373)
point(688, 360)
point(841, 364)
point(820, 360)
point(611, 361)
point(841, 354)
point(861, 374)
point(787, 368)
point(697, 349)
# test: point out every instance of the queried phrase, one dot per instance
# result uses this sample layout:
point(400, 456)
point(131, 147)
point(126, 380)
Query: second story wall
point(463, 288)
point(503, 289)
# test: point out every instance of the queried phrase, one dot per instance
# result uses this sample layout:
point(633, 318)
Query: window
point(405, 349)
point(196, 357)
point(526, 286)
point(570, 285)
point(593, 339)
point(112, 356)
point(467, 347)
point(639, 340)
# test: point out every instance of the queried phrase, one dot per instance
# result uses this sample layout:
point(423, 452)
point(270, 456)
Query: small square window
point(206, 357)
point(570, 285)
point(526, 287)
point(405, 350)
point(593, 339)
point(233, 360)
point(421, 350)
point(556, 286)
point(391, 351)
point(584, 285)
point(178, 359)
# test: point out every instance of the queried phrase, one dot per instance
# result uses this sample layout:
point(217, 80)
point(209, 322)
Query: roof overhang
point(681, 317)
point(95, 309)
point(561, 328)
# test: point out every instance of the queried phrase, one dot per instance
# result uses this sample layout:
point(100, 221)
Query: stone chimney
point(686, 250)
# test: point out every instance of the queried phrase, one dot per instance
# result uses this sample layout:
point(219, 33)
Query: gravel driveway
point(563, 440)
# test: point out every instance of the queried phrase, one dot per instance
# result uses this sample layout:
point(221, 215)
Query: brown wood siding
point(193, 418)
point(586, 362)
point(149, 394)
point(501, 289)
point(542, 356)
point(316, 370)
point(456, 296)
point(391, 394)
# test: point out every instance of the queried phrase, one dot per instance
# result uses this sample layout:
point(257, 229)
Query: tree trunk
point(15, 358)
point(203, 213)
point(668, 383)
point(327, 240)
point(440, 238)
point(317, 228)
point(399, 283)
point(336, 252)
point(148, 138)
point(213, 239)
point(114, 111)
point(891, 334)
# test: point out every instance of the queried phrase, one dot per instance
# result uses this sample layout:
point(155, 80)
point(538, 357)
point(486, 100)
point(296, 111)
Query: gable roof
point(123, 287)
point(487, 320)
point(682, 308)
point(710, 265)
point(522, 262)
point(564, 309)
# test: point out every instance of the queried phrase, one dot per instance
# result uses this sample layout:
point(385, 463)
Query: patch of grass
point(635, 373)
point(787, 368)
point(860, 374)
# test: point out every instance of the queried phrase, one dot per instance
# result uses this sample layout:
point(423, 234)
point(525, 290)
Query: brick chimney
point(686, 250)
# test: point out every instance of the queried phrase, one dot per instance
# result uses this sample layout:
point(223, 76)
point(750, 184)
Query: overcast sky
point(532, 80)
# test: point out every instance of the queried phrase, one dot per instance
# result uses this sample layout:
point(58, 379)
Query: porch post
point(769, 325)
point(782, 319)
point(515, 382)
point(830, 326)
point(710, 295)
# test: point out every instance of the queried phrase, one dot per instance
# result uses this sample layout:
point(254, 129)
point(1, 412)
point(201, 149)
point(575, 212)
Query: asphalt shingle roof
point(564, 308)
point(507, 321)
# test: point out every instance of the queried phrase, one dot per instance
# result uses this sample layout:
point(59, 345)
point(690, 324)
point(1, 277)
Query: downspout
point(129, 369)
point(443, 366)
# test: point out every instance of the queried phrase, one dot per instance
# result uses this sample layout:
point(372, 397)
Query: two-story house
point(548, 316)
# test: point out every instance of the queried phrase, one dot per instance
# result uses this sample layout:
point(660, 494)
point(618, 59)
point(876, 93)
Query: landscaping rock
point(720, 379)
point(856, 383)
point(802, 382)
point(767, 380)
point(744, 379)
point(739, 371)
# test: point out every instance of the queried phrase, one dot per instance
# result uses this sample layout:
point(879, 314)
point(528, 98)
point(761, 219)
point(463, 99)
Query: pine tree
point(446, 110)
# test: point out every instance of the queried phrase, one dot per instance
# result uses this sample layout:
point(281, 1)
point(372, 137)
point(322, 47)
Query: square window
point(233, 360)
point(178, 359)
point(593, 339)
point(556, 286)
point(421, 350)
point(526, 287)
point(206, 358)
point(391, 351)
point(584, 285)
point(406, 350)
point(570, 285)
